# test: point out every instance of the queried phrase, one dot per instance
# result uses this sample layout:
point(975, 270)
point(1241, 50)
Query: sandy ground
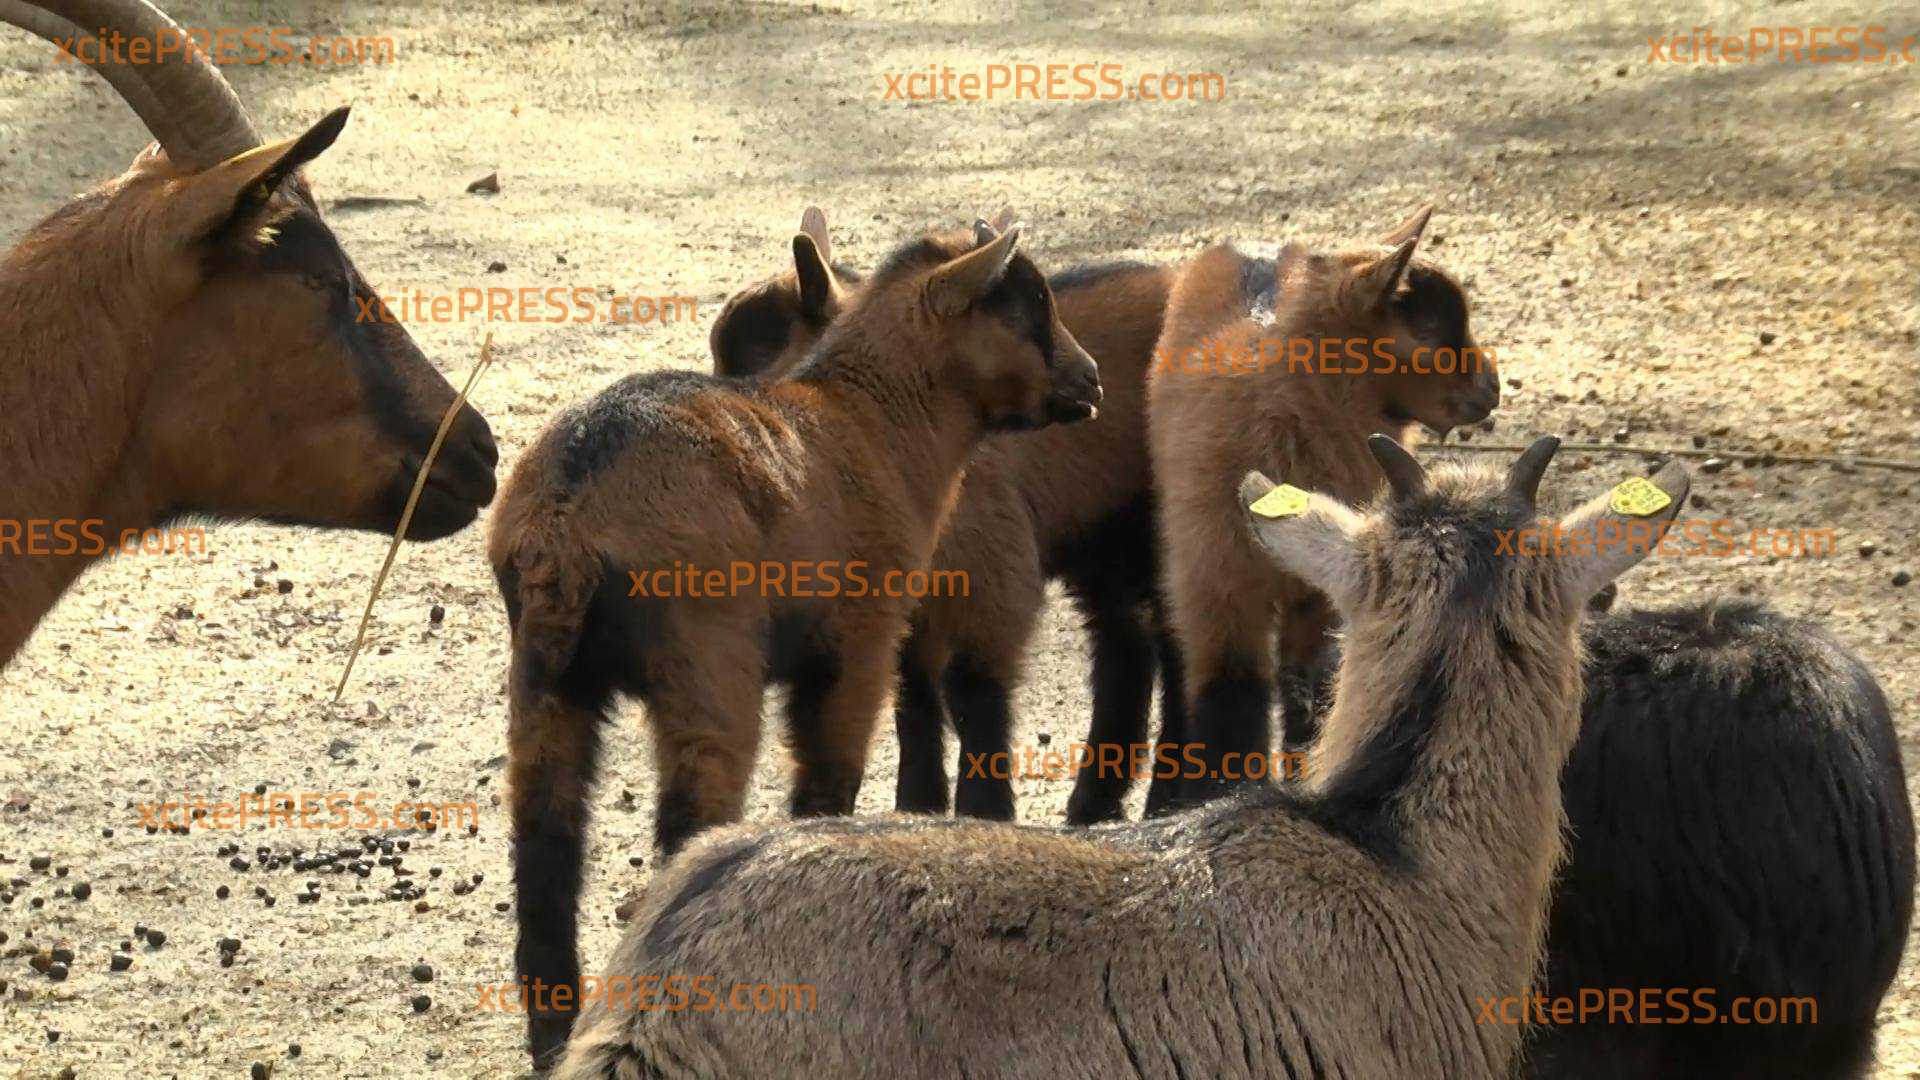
point(1629, 231)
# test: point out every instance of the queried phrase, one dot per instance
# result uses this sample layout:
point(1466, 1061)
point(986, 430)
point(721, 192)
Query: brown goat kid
point(182, 340)
point(1071, 504)
point(1231, 395)
point(1350, 926)
point(854, 460)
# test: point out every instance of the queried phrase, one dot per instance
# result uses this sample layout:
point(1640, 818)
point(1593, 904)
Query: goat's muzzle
point(462, 480)
point(1075, 391)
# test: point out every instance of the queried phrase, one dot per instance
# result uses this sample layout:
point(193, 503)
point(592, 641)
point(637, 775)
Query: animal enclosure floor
point(1628, 230)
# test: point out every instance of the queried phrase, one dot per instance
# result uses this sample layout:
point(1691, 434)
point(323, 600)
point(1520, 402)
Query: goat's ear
point(232, 199)
point(813, 222)
point(1373, 282)
point(1612, 533)
point(1309, 536)
point(818, 289)
point(1003, 220)
point(962, 282)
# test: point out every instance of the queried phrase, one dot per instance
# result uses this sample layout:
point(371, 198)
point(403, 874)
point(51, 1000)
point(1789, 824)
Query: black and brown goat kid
point(849, 466)
point(1072, 504)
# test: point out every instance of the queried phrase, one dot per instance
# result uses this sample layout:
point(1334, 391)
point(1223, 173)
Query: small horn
point(1523, 478)
point(1411, 229)
point(1405, 477)
point(814, 224)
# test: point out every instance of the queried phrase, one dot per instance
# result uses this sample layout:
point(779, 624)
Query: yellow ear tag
point(1639, 498)
point(1283, 501)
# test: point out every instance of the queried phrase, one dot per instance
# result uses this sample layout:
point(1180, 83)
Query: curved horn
point(1523, 478)
point(181, 97)
point(1405, 477)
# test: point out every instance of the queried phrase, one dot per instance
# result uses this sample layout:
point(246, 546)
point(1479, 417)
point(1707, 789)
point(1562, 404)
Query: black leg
point(983, 718)
point(1123, 655)
point(918, 720)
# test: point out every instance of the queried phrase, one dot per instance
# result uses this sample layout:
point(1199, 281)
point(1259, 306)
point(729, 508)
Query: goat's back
point(1740, 825)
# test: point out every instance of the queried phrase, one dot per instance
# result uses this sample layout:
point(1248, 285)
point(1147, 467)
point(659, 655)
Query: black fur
point(983, 717)
point(667, 932)
point(1740, 823)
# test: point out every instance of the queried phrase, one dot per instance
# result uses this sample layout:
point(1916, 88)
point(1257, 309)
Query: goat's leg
point(919, 720)
point(979, 693)
point(831, 716)
point(553, 749)
point(1173, 715)
point(703, 706)
point(1122, 700)
point(1223, 615)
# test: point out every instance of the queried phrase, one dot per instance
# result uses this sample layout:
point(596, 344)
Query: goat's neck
point(75, 359)
point(1479, 811)
point(926, 434)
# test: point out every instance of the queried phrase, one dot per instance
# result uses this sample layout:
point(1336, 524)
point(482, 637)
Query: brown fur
point(856, 458)
point(177, 343)
point(1209, 427)
point(1348, 929)
point(1053, 505)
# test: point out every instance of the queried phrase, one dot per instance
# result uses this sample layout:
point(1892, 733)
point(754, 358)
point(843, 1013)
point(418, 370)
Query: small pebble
point(229, 944)
point(82, 891)
point(57, 972)
point(156, 938)
point(293, 1049)
point(222, 892)
point(120, 962)
point(422, 973)
point(40, 862)
point(259, 1071)
point(1713, 465)
point(421, 1003)
point(1900, 578)
point(436, 615)
point(1768, 337)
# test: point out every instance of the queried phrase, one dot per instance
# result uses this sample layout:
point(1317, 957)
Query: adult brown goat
point(1073, 504)
point(1351, 926)
point(183, 340)
point(847, 469)
point(1287, 366)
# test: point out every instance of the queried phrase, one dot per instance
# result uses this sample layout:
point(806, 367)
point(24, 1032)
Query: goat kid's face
point(996, 337)
point(272, 343)
point(767, 328)
point(1440, 548)
point(1419, 314)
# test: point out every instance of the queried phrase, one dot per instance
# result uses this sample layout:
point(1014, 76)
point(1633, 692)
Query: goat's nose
point(479, 436)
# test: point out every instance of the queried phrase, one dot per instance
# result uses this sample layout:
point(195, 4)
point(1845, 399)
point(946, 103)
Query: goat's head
point(1411, 309)
point(768, 327)
point(979, 318)
point(1463, 548)
point(258, 329)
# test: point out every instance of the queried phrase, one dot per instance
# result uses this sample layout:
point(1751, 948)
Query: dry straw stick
point(406, 515)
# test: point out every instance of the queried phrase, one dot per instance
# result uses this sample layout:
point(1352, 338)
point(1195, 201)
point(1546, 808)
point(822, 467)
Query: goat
point(855, 459)
point(1073, 503)
point(1341, 927)
point(1245, 410)
point(183, 340)
point(1740, 825)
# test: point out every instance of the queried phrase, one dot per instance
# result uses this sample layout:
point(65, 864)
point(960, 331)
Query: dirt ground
point(1631, 232)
